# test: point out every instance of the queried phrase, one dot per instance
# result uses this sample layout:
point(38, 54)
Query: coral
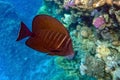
point(71, 67)
point(107, 34)
point(116, 3)
point(69, 19)
point(99, 3)
point(65, 76)
point(116, 43)
point(102, 51)
point(91, 4)
point(117, 13)
point(98, 22)
point(68, 3)
point(95, 67)
point(66, 64)
point(110, 62)
point(87, 4)
point(106, 17)
point(109, 2)
point(83, 69)
point(85, 32)
point(43, 10)
point(116, 74)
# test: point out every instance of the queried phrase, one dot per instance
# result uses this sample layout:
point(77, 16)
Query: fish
point(48, 35)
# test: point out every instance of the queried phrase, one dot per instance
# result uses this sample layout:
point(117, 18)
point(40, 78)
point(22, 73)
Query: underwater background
point(94, 27)
point(17, 61)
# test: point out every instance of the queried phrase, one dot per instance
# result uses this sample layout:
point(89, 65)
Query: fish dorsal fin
point(45, 22)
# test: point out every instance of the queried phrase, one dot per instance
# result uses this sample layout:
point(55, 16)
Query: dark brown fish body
point(48, 35)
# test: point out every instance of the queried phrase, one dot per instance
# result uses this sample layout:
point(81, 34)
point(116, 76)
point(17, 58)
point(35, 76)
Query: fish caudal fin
point(24, 32)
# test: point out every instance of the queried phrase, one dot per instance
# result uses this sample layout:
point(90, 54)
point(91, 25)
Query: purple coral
point(69, 4)
point(98, 22)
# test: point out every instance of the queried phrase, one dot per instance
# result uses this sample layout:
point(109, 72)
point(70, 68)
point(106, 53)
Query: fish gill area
point(94, 27)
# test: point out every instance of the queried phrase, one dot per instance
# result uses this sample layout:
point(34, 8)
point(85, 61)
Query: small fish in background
point(48, 35)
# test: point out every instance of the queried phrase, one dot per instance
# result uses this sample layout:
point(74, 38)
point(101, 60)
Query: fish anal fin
point(53, 52)
point(36, 44)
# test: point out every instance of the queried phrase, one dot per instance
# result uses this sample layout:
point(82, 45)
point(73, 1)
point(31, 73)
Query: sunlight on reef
point(94, 26)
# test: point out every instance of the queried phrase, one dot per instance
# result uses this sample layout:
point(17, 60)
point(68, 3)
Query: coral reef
point(98, 22)
point(102, 51)
point(94, 26)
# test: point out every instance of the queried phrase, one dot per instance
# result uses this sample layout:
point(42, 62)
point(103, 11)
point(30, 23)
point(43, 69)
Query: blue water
point(25, 9)
point(17, 61)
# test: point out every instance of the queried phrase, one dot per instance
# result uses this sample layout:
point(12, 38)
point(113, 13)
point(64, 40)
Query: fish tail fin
point(24, 32)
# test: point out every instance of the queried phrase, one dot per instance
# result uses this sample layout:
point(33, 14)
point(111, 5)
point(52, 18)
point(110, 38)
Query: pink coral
point(68, 4)
point(98, 22)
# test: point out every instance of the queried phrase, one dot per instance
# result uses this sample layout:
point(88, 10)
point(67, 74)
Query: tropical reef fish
point(48, 35)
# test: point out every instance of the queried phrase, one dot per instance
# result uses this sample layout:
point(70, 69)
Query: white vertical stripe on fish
point(58, 39)
point(67, 43)
point(45, 38)
point(62, 41)
point(46, 35)
point(48, 39)
point(55, 38)
point(51, 42)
